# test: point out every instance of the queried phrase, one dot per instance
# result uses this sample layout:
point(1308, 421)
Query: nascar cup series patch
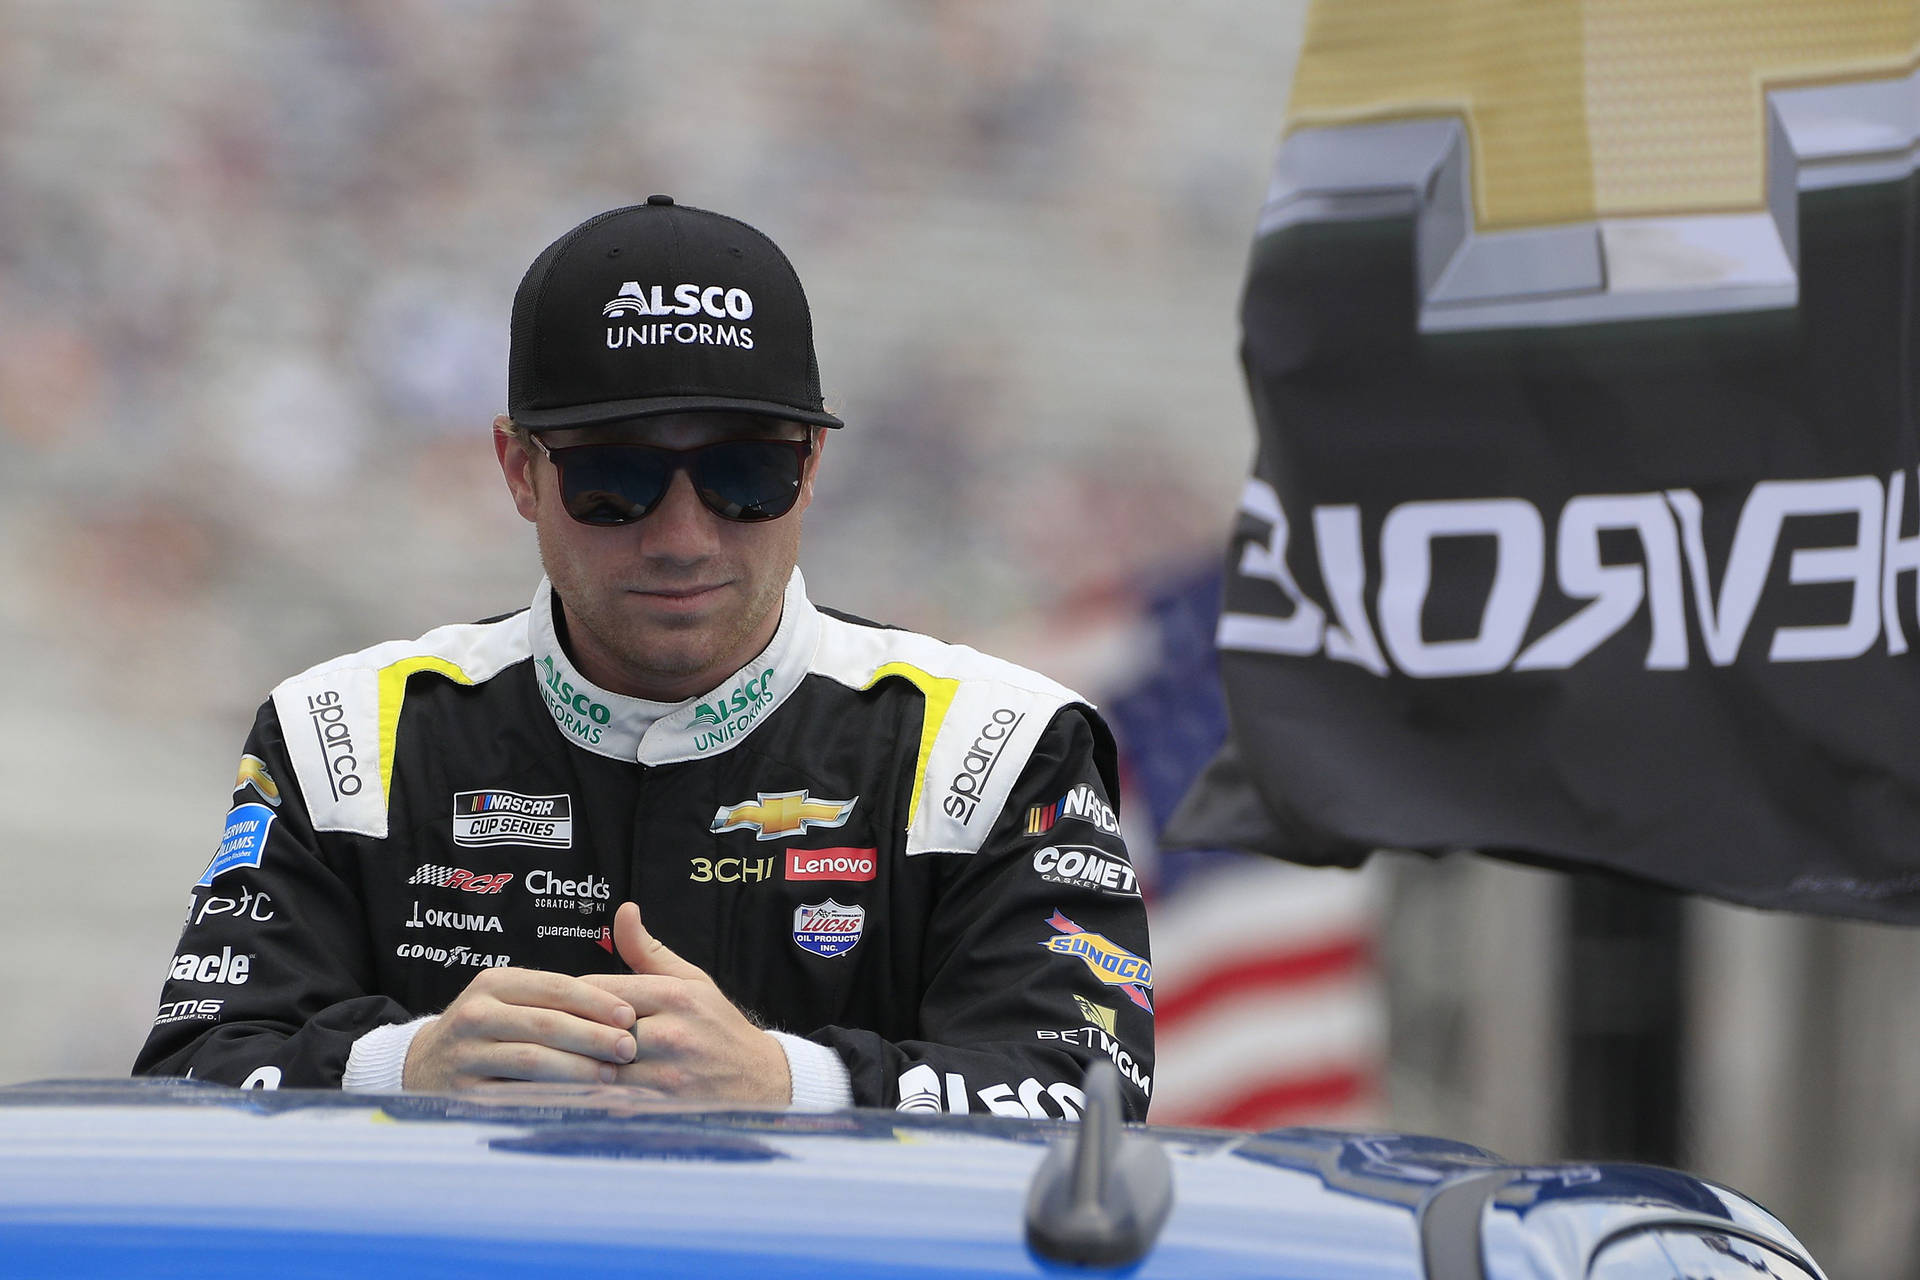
point(827, 928)
point(242, 843)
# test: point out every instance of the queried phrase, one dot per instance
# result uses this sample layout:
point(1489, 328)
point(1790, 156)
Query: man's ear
point(516, 464)
point(811, 469)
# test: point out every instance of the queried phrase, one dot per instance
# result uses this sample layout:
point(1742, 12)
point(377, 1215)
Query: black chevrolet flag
point(1584, 527)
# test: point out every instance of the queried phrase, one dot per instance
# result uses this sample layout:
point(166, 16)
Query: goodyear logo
point(773, 814)
point(253, 773)
point(1110, 962)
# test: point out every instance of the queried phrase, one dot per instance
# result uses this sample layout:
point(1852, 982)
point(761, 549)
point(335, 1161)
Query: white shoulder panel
point(339, 718)
point(983, 718)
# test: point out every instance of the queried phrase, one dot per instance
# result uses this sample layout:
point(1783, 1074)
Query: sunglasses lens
point(747, 480)
point(613, 484)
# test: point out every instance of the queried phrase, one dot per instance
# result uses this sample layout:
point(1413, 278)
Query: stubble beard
point(659, 653)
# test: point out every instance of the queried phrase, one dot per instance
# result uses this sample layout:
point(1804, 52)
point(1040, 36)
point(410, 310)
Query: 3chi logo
point(774, 814)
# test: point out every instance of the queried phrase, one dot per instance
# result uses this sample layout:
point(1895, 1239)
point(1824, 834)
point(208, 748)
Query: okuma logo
point(714, 300)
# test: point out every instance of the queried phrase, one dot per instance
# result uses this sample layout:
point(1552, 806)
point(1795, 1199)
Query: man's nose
point(679, 527)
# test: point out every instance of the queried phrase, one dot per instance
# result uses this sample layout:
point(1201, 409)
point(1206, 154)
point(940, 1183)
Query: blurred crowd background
point(256, 262)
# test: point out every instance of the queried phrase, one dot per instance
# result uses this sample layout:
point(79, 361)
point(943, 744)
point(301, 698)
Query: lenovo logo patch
point(832, 864)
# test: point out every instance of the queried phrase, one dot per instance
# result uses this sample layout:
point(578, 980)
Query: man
point(673, 825)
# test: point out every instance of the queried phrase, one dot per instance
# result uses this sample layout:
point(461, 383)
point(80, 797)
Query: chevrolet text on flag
point(1585, 522)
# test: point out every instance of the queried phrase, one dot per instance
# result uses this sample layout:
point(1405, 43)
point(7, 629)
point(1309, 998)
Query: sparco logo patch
point(1088, 868)
point(507, 817)
point(773, 814)
point(964, 792)
point(827, 928)
point(329, 717)
point(832, 864)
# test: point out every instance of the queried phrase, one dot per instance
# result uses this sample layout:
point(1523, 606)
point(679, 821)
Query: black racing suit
point(901, 849)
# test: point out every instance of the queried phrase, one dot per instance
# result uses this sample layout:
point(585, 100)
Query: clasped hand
point(665, 1025)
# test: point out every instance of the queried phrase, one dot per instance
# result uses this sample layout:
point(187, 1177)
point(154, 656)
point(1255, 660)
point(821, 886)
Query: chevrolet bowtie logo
point(253, 772)
point(782, 813)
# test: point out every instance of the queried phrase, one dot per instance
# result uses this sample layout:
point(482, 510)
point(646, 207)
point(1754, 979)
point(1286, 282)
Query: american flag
point(1269, 1006)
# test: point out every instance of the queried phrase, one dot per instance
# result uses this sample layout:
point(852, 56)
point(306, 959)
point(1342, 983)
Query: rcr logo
point(1668, 529)
point(718, 301)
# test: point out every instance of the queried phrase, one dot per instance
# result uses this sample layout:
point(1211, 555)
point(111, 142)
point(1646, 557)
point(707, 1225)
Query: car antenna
point(1101, 1195)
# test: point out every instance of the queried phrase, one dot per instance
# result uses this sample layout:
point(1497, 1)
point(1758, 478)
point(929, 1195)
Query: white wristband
point(378, 1059)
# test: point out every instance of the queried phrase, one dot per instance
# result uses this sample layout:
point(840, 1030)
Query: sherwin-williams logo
point(1110, 962)
point(774, 814)
point(253, 773)
point(732, 713)
point(575, 710)
point(242, 844)
point(507, 817)
point(1083, 802)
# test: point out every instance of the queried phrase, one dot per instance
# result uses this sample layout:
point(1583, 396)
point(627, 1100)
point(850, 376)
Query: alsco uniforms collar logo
point(719, 721)
point(775, 814)
point(635, 729)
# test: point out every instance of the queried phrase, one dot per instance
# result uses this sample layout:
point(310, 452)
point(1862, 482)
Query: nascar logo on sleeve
point(1084, 803)
point(1110, 962)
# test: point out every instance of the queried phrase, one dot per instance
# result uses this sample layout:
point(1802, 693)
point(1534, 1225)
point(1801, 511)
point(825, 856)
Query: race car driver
point(673, 825)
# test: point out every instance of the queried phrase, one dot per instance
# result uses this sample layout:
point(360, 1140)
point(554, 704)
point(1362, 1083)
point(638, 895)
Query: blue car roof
point(116, 1178)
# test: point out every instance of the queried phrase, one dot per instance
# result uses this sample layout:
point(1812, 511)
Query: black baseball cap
point(661, 308)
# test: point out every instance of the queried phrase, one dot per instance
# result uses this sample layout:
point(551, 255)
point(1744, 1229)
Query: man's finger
point(648, 993)
point(536, 988)
point(643, 952)
point(513, 1061)
point(551, 1028)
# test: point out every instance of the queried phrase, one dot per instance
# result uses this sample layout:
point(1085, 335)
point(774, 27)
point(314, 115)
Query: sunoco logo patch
point(507, 817)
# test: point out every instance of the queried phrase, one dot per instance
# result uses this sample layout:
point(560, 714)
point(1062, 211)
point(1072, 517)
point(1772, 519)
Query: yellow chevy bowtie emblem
point(253, 773)
point(782, 813)
point(1098, 1014)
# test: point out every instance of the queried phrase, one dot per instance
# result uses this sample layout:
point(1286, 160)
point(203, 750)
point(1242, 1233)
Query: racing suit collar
point(623, 728)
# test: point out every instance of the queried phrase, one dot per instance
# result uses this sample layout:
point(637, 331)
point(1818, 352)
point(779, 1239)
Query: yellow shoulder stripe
point(938, 691)
point(393, 691)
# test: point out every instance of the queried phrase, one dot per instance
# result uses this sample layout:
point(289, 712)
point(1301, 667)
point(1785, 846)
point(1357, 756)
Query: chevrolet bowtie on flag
point(1583, 528)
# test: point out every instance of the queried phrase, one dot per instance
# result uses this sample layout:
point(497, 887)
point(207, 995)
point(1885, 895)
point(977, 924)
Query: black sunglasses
point(745, 480)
